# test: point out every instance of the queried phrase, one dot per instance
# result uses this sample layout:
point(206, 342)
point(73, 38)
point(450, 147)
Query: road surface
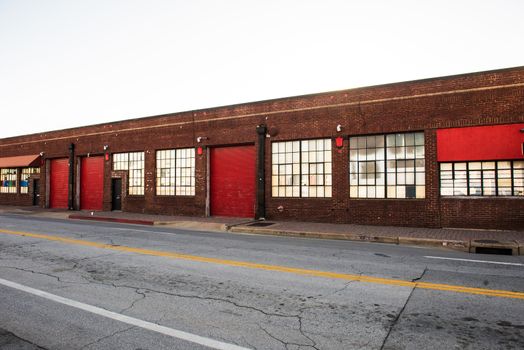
point(88, 285)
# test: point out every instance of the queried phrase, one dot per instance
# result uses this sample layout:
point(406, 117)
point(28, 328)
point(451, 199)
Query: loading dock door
point(232, 181)
point(91, 183)
point(59, 183)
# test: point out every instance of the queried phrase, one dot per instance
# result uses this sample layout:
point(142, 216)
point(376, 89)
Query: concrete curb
point(193, 225)
point(119, 220)
point(463, 246)
point(460, 245)
point(323, 235)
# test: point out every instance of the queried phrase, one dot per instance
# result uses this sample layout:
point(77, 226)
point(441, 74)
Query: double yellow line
point(277, 268)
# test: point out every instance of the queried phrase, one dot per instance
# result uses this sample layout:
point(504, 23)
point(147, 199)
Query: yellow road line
point(276, 268)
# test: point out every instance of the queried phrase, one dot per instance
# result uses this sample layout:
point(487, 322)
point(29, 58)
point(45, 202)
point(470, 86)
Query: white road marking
point(476, 261)
point(193, 338)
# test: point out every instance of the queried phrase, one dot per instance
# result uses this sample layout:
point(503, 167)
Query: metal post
point(261, 177)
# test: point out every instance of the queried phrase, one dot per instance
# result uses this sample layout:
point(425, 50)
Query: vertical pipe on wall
point(261, 176)
point(70, 201)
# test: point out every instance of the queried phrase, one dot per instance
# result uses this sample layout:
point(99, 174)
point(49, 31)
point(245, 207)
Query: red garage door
point(59, 183)
point(233, 181)
point(91, 183)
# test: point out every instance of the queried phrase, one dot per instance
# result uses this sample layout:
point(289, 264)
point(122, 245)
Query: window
point(133, 162)
point(175, 172)
point(301, 168)
point(24, 180)
point(387, 166)
point(8, 179)
point(493, 178)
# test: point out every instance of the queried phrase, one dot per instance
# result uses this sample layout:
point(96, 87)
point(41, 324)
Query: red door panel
point(91, 183)
point(490, 142)
point(233, 181)
point(59, 183)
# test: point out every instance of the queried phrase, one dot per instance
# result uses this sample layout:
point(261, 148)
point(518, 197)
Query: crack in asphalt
point(343, 288)
point(141, 297)
point(21, 339)
point(141, 291)
point(107, 336)
point(286, 343)
point(76, 265)
point(395, 321)
point(39, 273)
point(421, 275)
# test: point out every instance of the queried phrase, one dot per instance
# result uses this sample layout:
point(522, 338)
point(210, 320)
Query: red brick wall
point(487, 98)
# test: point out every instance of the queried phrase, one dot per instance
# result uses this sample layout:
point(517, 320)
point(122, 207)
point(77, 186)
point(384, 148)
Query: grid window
point(387, 166)
point(132, 162)
point(185, 172)
point(518, 178)
point(493, 178)
point(367, 167)
point(8, 180)
point(175, 173)
point(24, 180)
point(302, 168)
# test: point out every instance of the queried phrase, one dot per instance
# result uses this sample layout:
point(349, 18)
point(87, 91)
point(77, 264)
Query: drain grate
point(261, 224)
point(490, 250)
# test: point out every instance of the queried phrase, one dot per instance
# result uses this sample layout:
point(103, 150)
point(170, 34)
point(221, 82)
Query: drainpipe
point(261, 176)
point(71, 177)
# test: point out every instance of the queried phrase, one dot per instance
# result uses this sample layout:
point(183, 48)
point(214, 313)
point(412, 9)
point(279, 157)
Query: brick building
point(441, 152)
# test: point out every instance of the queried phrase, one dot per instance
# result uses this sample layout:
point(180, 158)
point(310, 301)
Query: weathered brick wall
point(487, 98)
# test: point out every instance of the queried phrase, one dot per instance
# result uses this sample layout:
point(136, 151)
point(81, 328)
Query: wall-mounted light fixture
point(339, 128)
point(42, 154)
point(201, 138)
point(106, 147)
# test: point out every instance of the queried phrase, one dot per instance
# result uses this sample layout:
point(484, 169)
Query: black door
point(36, 192)
point(116, 189)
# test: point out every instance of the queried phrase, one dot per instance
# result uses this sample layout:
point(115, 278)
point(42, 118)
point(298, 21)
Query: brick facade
point(486, 98)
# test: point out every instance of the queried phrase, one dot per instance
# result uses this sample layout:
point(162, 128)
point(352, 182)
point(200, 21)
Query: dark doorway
point(36, 192)
point(116, 190)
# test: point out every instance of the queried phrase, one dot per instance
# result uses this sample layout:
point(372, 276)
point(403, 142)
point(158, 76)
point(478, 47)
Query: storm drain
point(261, 224)
point(490, 246)
point(496, 251)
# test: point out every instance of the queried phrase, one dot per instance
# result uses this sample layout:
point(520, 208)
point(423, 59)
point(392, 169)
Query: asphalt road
point(86, 285)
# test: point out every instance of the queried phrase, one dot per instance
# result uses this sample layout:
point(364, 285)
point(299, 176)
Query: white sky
point(72, 62)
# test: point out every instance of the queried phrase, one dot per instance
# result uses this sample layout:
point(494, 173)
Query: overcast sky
point(79, 62)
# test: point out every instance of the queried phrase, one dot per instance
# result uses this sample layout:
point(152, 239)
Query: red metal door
point(91, 183)
point(59, 183)
point(233, 181)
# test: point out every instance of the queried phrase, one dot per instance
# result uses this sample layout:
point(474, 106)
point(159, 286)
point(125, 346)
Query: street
point(87, 285)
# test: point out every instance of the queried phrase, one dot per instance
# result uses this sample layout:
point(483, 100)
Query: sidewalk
point(458, 239)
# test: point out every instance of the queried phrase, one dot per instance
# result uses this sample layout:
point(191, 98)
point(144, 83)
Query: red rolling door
point(233, 181)
point(91, 183)
point(59, 183)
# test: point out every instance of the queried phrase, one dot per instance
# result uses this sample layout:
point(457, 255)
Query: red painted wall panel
point(480, 143)
point(59, 183)
point(92, 183)
point(233, 181)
